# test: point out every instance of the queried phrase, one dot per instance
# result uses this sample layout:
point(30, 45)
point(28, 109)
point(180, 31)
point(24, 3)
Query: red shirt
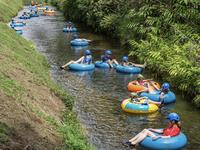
point(171, 131)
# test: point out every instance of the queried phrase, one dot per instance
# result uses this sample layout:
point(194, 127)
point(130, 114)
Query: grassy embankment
point(35, 112)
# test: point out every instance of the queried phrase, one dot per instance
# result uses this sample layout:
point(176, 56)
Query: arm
point(154, 102)
point(162, 96)
point(165, 136)
point(110, 63)
point(156, 130)
point(145, 90)
point(130, 63)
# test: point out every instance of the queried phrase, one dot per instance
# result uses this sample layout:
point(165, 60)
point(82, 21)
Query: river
point(99, 93)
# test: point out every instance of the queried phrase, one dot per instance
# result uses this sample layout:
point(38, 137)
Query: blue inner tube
point(79, 42)
point(70, 30)
point(17, 24)
point(81, 67)
point(19, 31)
point(128, 69)
point(100, 64)
point(24, 17)
point(173, 143)
point(34, 15)
point(170, 97)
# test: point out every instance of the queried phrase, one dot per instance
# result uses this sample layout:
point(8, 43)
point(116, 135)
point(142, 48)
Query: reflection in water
point(99, 93)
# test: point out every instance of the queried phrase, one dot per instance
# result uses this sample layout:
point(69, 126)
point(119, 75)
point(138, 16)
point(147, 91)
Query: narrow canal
point(99, 93)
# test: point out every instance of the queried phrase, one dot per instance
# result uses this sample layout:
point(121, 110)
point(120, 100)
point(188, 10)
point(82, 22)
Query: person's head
point(174, 118)
point(140, 77)
point(87, 52)
point(125, 58)
point(108, 52)
point(165, 87)
point(134, 95)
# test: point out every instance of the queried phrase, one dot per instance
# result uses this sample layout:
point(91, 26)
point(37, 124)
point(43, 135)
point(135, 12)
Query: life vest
point(171, 131)
point(105, 58)
point(142, 82)
point(87, 59)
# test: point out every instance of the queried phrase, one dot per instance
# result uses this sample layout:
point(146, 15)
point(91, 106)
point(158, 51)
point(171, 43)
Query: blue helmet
point(173, 117)
point(125, 58)
point(88, 52)
point(165, 86)
point(108, 52)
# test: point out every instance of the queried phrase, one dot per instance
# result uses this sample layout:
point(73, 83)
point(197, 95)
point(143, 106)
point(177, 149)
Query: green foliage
point(4, 132)
point(73, 136)
point(11, 87)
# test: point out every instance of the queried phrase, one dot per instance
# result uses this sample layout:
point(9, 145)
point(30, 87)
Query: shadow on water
point(99, 93)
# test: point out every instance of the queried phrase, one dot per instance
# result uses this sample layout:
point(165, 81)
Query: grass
point(16, 53)
point(9, 8)
point(4, 132)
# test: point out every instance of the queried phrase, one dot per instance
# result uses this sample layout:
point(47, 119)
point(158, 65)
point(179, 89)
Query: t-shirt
point(171, 131)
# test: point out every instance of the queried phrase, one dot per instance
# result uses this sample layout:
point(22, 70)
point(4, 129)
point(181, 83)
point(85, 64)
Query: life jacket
point(105, 58)
point(171, 131)
point(142, 82)
point(87, 59)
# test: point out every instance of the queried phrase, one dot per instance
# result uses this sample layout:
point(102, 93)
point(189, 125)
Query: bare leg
point(137, 136)
point(110, 63)
point(115, 61)
point(142, 136)
point(67, 64)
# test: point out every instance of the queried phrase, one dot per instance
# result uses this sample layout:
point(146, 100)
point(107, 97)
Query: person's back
point(105, 58)
point(87, 59)
point(125, 61)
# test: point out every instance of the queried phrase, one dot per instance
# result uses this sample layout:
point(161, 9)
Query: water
point(99, 93)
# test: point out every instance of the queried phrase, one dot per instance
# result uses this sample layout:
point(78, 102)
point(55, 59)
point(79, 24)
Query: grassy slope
point(22, 67)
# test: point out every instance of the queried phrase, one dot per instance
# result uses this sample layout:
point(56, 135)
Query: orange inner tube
point(49, 12)
point(133, 87)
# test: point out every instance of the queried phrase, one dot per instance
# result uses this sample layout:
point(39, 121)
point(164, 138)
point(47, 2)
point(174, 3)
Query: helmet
point(173, 117)
point(108, 52)
point(140, 76)
point(88, 52)
point(134, 94)
point(165, 86)
point(125, 58)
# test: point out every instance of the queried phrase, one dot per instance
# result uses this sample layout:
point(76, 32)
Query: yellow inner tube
point(137, 108)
